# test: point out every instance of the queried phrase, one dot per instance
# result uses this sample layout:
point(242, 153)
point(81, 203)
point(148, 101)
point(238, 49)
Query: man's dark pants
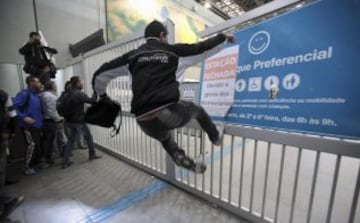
point(175, 116)
point(74, 129)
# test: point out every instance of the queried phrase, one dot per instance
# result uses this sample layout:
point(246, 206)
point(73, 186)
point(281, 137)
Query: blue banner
point(309, 58)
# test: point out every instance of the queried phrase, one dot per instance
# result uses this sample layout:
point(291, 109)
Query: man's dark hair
point(30, 79)
point(74, 80)
point(154, 29)
point(34, 34)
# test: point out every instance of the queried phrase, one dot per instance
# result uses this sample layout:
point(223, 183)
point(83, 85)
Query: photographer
point(37, 62)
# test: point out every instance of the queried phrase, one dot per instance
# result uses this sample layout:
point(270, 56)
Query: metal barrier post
point(170, 165)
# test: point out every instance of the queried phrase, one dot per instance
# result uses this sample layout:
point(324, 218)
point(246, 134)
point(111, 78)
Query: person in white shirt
point(51, 119)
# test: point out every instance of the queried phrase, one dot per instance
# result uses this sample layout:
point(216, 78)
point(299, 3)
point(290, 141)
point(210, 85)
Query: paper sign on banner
point(218, 83)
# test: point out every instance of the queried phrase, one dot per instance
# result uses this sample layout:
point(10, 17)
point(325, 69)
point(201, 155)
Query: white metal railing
point(271, 176)
point(319, 195)
point(261, 175)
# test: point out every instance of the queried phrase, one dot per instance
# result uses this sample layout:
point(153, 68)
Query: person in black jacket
point(156, 69)
point(75, 121)
point(36, 60)
point(7, 128)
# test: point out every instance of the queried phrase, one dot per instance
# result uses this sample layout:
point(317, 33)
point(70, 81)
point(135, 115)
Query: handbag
point(104, 113)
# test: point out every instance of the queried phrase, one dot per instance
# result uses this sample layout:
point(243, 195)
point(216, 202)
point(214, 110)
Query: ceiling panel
point(231, 8)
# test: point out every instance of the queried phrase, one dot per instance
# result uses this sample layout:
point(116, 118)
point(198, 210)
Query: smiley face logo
point(259, 42)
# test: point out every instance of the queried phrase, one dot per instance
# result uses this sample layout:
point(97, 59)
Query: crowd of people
point(34, 112)
point(44, 129)
point(48, 136)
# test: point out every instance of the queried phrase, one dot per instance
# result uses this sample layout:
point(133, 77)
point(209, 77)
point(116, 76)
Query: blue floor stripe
point(124, 202)
point(132, 198)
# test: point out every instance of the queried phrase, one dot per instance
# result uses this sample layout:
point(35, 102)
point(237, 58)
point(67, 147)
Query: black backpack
point(63, 106)
point(104, 113)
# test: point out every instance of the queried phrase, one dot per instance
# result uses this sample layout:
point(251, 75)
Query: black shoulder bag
point(104, 113)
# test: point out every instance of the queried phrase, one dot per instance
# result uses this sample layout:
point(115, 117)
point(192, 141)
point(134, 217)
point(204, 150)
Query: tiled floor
point(81, 193)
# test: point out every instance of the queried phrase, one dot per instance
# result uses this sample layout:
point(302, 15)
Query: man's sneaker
point(200, 166)
point(11, 206)
point(220, 128)
point(66, 165)
point(94, 157)
point(186, 162)
point(29, 172)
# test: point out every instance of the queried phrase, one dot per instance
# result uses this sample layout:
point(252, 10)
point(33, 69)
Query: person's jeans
point(175, 116)
point(79, 138)
point(74, 129)
point(60, 141)
point(49, 133)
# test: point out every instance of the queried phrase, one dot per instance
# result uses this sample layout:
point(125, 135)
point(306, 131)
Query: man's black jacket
point(154, 67)
point(35, 54)
point(77, 102)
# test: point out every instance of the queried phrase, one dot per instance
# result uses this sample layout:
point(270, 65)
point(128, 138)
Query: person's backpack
point(63, 106)
point(104, 113)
